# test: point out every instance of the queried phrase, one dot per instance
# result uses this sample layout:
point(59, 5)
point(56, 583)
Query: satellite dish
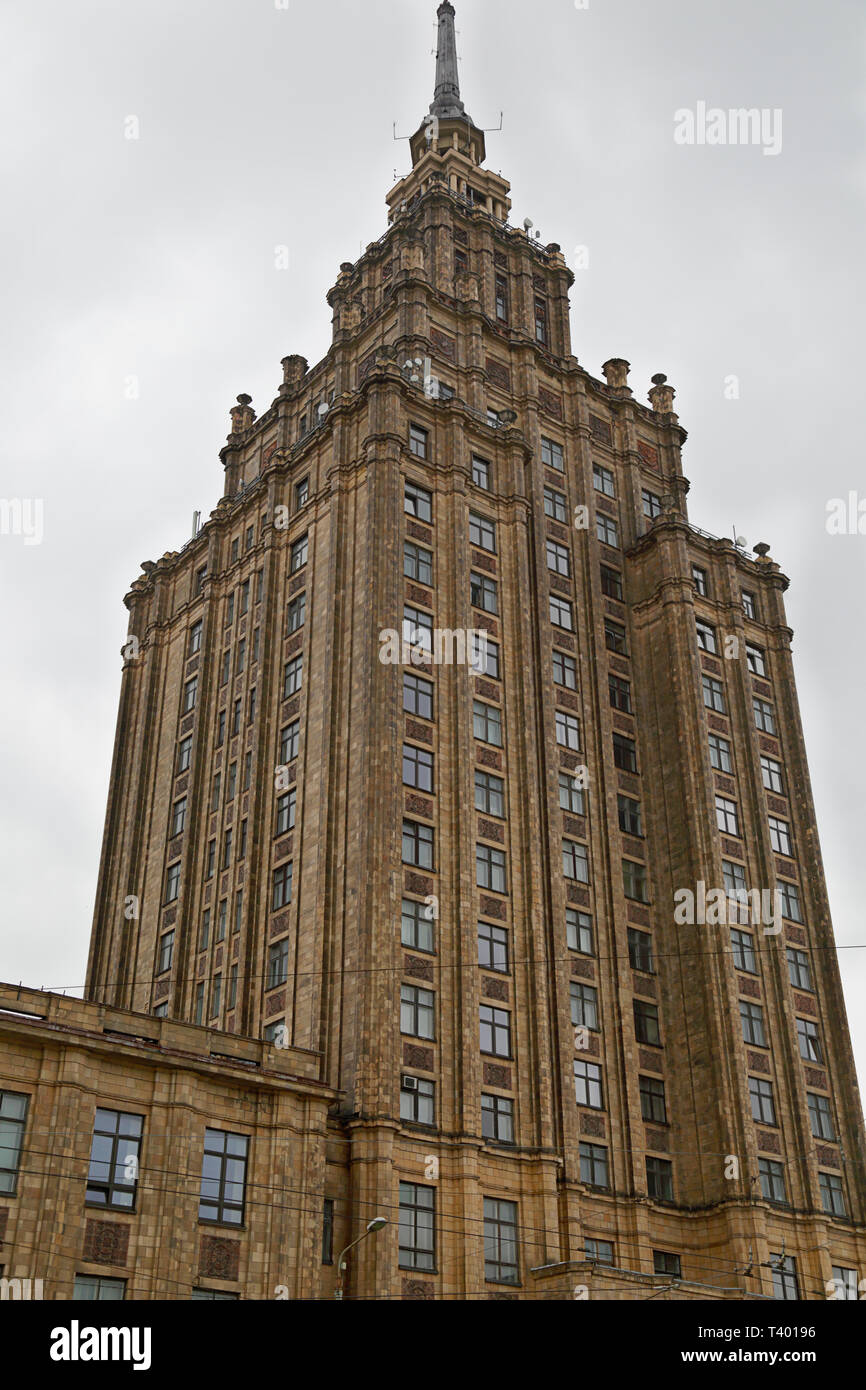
point(408, 364)
point(741, 542)
point(323, 410)
point(528, 224)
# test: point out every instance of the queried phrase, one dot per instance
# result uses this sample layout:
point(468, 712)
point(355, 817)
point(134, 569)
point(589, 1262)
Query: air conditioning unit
point(408, 1083)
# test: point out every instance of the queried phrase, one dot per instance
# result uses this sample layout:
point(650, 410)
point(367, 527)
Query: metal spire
point(446, 97)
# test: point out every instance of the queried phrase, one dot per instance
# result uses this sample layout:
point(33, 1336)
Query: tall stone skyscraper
point(549, 910)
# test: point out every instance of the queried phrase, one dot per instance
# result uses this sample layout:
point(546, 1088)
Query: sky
point(155, 157)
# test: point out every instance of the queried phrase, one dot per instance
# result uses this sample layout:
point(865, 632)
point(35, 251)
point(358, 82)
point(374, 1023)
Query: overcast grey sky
point(262, 126)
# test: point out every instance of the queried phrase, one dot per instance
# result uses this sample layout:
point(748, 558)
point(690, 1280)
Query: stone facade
point(451, 457)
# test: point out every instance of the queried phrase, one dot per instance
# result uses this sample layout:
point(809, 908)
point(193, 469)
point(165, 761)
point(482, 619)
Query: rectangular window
point(166, 952)
point(230, 609)
point(764, 717)
point(495, 1030)
point(602, 480)
point(720, 754)
point(706, 636)
point(417, 502)
point(418, 441)
point(578, 931)
point(756, 660)
point(417, 844)
point(488, 664)
point(699, 579)
point(790, 895)
point(564, 670)
point(221, 729)
point(299, 554)
point(205, 930)
point(743, 948)
point(417, 1100)
point(417, 1011)
point(567, 730)
point(417, 628)
point(190, 692)
point(286, 809)
point(634, 881)
point(629, 815)
point(601, 1251)
point(593, 1165)
point(619, 692)
point(239, 909)
point(561, 614)
point(417, 1238)
point(199, 1003)
point(646, 1023)
point(820, 1116)
point(487, 723)
point(785, 1287)
point(281, 890)
point(231, 789)
point(772, 1176)
point(417, 563)
point(490, 868)
point(832, 1195)
point(652, 1100)
point(664, 1262)
point(241, 660)
point(223, 1177)
point(651, 503)
point(752, 1019)
point(640, 951)
point(13, 1121)
point(809, 1041)
point(558, 559)
point(236, 717)
point(555, 505)
point(227, 849)
point(799, 971)
point(772, 776)
point(289, 740)
point(296, 614)
point(780, 835)
point(726, 816)
point(660, 1179)
point(278, 964)
point(761, 1096)
point(115, 1147)
point(501, 288)
point(293, 677)
point(575, 862)
point(584, 1006)
point(482, 532)
point(492, 947)
point(571, 795)
point(200, 577)
point(483, 593)
point(172, 883)
point(624, 753)
point(302, 493)
point(750, 606)
point(418, 696)
point(194, 644)
point(714, 694)
point(178, 816)
point(94, 1288)
point(481, 472)
point(611, 583)
point(416, 929)
point(587, 1085)
point(489, 794)
point(222, 919)
point(551, 454)
point(245, 596)
point(216, 996)
point(614, 637)
point(500, 1242)
point(497, 1119)
point(606, 530)
point(417, 768)
point(226, 667)
point(541, 321)
point(846, 1286)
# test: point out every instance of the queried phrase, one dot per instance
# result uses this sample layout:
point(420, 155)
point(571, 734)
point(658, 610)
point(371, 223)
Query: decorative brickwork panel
point(560, 585)
point(756, 1061)
point(563, 640)
point(607, 504)
point(786, 869)
point(192, 665)
point(169, 917)
point(539, 283)
point(557, 532)
point(635, 848)
point(290, 709)
point(181, 785)
point(295, 643)
point(719, 726)
point(494, 1075)
point(105, 1242)
point(420, 1057)
point(186, 725)
point(416, 595)
point(162, 989)
point(418, 969)
point(267, 454)
point(645, 985)
point(770, 1143)
point(494, 907)
point(575, 826)
point(599, 429)
point(761, 688)
point(749, 986)
point(280, 924)
point(418, 884)
point(488, 758)
point(658, 1140)
point(583, 969)
point(275, 1003)
point(175, 847)
point(201, 967)
point(724, 784)
point(495, 989)
point(500, 1297)
point(482, 561)
point(219, 1258)
point(417, 1290)
point(489, 830)
point(568, 700)
point(796, 934)
point(805, 1004)
point(616, 664)
point(418, 532)
point(578, 895)
point(419, 806)
point(635, 913)
point(769, 745)
point(733, 849)
point(488, 690)
point(568, 760)
point(614, 610)
point(650, 1061)
point(708, 663)
point(592, 1124)
point(828, 1158)
point(777, 805)
point(419, 732)
point(461, 236)
point(443, 344)
point(628, 784)
point(550, 403)
point(486, 624)
point(555, 479)
point(498, 373)
point(648, 454)
point(814, 1077)
point(500, 259)
point(218, 958)
point(283, 849)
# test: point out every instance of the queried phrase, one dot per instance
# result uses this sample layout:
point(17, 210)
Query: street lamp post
point(372, 1227)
